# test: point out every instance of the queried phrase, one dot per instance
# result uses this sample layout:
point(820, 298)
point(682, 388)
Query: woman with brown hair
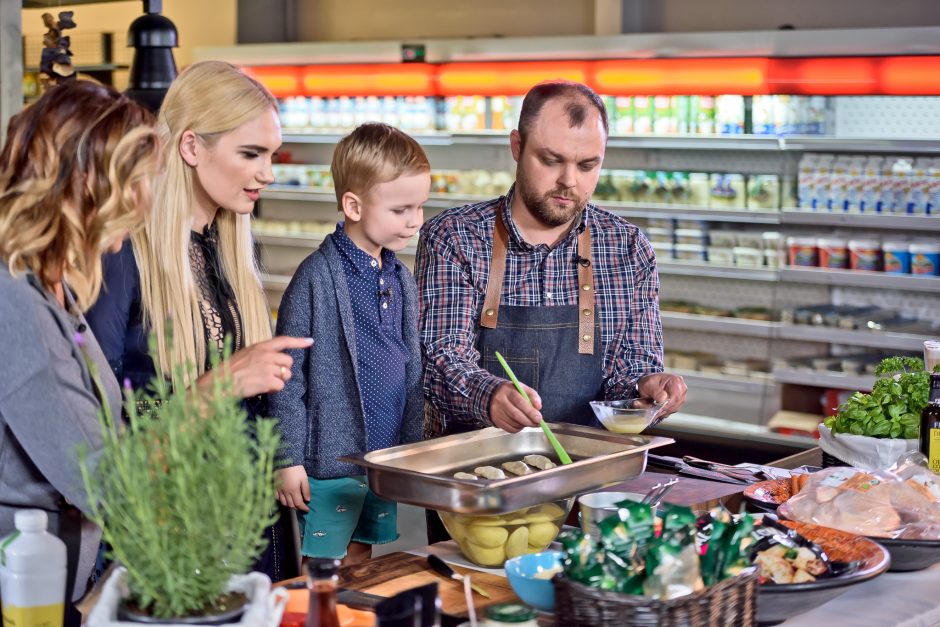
point(74, 181)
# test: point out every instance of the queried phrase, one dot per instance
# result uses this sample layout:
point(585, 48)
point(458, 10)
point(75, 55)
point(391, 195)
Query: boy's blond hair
point(373, 154)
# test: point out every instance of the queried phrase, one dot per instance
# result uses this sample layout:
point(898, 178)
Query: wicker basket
point(729, 603)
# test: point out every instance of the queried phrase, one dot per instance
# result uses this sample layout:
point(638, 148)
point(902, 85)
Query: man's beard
point(544, 209)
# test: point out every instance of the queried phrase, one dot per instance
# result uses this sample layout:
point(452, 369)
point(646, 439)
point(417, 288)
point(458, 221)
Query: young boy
point(358, 388)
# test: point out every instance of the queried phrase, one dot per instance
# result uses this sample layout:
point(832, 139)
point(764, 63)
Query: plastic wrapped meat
point(489, 472)
point(539, 461)
point(517, 468)
point(465, 475)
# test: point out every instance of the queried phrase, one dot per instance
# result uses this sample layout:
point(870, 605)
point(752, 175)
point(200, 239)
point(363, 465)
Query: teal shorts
point(342, 511)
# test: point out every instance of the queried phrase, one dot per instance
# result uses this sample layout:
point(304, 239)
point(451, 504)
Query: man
point(565, 291)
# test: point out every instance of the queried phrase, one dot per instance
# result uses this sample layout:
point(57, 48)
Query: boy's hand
point(293, 489)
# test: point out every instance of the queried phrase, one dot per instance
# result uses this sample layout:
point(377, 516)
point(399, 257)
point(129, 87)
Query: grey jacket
point(47, 408)
point(320, 411)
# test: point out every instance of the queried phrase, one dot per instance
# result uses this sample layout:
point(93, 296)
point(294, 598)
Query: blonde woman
point(193, 263)
point(74, 180)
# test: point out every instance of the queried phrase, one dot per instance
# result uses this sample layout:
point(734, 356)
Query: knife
point(442, 568)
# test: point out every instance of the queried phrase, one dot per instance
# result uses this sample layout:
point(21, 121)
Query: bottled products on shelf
point(628, 115)
point(869, 184)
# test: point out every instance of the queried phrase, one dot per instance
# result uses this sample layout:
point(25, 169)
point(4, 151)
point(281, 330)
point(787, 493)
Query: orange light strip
point(281, 80)
point(745, 76)
point(824, 76)
point(405, 79)
point(504, 78)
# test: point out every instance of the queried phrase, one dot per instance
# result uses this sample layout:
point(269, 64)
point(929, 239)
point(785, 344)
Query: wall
point(199, 23)
point(726, 15)
point(348, 20)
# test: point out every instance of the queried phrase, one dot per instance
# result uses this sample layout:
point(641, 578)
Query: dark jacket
point(320, 410)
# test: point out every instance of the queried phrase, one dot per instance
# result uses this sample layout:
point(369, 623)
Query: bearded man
point(566, 291)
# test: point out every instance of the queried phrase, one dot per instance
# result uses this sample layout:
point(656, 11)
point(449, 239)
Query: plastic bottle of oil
point(32, 573)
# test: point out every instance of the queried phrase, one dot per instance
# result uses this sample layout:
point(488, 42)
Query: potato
point(538, 517)
point(518, 542)
point(542, 533)
point(485, 556)
point(486, 521)
point(487, 537)
point(552, 510)
point(517, 520)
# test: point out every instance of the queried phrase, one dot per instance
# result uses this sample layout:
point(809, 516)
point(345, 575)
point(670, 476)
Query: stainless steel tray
point(422, 473)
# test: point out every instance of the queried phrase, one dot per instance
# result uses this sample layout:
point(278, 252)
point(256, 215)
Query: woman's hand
point(260, 368)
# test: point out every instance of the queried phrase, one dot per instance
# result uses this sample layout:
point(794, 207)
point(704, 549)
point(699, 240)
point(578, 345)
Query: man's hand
point(663, 388)
point(293, 488)
point(511, 412)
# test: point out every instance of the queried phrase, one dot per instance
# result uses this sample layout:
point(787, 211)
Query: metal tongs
point(657, 492)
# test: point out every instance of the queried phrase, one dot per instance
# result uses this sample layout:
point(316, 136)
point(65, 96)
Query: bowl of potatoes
point(491, 540)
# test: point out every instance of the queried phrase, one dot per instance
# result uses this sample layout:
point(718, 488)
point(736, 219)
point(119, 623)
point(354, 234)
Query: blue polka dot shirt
point(381, 353)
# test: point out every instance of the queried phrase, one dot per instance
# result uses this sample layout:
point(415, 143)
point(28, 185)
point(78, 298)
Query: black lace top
point(217, 304)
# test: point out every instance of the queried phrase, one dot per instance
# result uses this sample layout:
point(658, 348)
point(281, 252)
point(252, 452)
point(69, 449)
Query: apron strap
point(494, 284)
point(585, 294)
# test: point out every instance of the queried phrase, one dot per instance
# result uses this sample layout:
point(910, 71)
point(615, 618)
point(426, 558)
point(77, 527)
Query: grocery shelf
point(277, 282)
point(859, 144)
point(794, 143)
point(871, 339)
point(860, 220)
point(685, 212)
point(824, 379)
point(692, 268)
point(718, 324)
point(855, 278)
point(296, 193)
point(725, 383)
point(309, 241)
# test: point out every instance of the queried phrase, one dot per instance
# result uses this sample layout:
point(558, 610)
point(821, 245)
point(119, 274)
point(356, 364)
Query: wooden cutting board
point(691, 492)
point(393, 573)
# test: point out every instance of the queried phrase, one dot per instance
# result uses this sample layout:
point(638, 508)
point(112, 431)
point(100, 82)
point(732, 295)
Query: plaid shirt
point(452, 270)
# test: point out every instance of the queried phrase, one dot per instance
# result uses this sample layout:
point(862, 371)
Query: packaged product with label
point(897, 256)
point(729, 115)
point(821, 180)
point(925, 258)
point(838, 180)
point(806, 179)
point(865, 254)
point(704, 107)
point(623, 115)
point(763, 191)
point(833, 253)
point(642, 115)
point(854, 185)
point(803, 252)
point(872, 181)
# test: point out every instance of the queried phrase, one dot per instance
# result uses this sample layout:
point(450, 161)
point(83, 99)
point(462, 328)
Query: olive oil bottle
point(930, 426)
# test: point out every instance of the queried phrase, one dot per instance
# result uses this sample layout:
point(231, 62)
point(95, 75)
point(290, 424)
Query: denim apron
point(554, 350)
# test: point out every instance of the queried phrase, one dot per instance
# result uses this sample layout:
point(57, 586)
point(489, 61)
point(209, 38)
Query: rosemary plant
point(183, 493)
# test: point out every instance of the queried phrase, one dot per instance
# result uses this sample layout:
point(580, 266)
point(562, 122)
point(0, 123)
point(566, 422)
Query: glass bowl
point(628, 416)
point(491, 540)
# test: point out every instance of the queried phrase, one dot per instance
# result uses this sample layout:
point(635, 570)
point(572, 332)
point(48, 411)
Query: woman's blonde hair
point(75, 177)
point(210, 98)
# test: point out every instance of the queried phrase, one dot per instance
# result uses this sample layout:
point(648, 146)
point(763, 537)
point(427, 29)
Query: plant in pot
point(874, 430)
point(183, 493)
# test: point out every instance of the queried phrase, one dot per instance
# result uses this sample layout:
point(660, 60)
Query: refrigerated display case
point(719, 206)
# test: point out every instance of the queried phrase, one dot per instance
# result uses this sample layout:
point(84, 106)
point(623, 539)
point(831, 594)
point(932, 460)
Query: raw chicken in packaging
point(903, 502)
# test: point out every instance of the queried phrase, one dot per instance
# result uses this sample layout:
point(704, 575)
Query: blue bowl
point(534, 591)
